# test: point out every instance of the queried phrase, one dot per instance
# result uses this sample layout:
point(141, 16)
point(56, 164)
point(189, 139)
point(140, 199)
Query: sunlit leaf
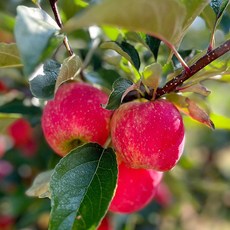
point(9, 56)
point(70, 70)
point(152, 75)
point(40, 186)
point(221, 122)
point(151, 17)
point(82, 187)
point(35, 31)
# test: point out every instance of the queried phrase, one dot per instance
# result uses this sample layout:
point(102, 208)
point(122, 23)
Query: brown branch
point(53, 4)
point(172, 85)
point(200, 64)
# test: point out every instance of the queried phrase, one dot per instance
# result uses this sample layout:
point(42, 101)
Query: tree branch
point(53, 4)
point(172, 85)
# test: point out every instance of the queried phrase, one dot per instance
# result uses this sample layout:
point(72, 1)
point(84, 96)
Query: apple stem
point(177, 81)
point(53, 4)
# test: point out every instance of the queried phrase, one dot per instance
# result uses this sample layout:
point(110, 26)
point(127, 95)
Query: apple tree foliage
point(128, 47)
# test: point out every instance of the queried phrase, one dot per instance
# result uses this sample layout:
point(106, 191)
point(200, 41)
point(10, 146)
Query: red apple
point(23, 138)
point(75, 116)
point(20, 131)
point(105, 224)
point(135, 189)
point(148, 134)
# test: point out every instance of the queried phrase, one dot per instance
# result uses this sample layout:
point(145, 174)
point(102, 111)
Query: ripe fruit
point(148, 134)
point(75, 116)
point(135, 189)
point(20, 131)
point(23, 138)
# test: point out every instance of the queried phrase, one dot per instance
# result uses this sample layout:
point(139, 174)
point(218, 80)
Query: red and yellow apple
point(135, 189)
point(148, 134)
point(76, 116)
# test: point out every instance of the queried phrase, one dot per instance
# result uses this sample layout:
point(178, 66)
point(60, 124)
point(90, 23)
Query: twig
point(53, 4)
point(172, 85)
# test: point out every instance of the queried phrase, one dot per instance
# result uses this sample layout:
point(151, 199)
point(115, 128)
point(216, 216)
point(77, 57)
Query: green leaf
point(125, 50)
point(219, 6)
point(9, 56)
point(209, 16)
point(40, 186)
point(103, 77)
point(43, 85)
point(17, 106)
point(70, 70)
point(82, 187)
point(36, 35)
point(119, 88)
point(6, 119)
point(221, 122)
point(151, 17)
point(152, 75)
point(7, 21)
point(154, 45)
point(193, 9)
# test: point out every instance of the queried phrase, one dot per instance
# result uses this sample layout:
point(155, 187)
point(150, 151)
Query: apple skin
point(75, 116)
point(135, 189)
point(148, 134)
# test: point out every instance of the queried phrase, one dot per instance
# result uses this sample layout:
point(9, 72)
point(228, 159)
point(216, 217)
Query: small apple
point(20, 131)
point(148, 134)
point(75, 116)
point(135, 189)
point(22, 135)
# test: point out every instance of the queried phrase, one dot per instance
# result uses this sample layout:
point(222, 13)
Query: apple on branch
point(76, 116)
point(148, 134)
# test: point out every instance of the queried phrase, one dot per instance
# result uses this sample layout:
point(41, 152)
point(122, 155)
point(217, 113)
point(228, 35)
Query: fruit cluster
point(148, 137)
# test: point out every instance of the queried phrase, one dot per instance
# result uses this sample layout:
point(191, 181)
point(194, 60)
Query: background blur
point(194, 195)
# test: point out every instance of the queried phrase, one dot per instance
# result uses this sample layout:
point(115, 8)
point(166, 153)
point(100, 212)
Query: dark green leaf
point(43, 85)
point(126, 50)
point(37, 36)
point(119, 88)
point(219, 6)
point(82, 187)
point(17, 106)
point(132, 52)
point(104, 77)
point(9, 56)
point(154, 45)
